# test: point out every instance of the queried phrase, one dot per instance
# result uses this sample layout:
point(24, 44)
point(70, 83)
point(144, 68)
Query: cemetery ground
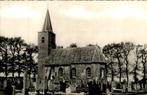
point(137, 92)
point(115, 93)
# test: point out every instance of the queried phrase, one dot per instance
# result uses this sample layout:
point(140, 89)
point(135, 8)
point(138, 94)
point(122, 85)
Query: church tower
point(46, 38)
point(46, 42)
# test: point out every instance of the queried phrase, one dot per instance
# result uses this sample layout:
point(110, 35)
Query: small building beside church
point(74, 67)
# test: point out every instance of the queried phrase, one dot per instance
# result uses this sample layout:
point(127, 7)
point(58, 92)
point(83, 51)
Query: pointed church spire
point(47, 23)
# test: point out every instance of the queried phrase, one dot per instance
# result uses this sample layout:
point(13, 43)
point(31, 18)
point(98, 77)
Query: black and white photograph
point(73, 47)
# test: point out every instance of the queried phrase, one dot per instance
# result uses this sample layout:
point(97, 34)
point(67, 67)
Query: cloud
point(19, 11)
point(80, 12)
point(117, 12)
point(125, 11)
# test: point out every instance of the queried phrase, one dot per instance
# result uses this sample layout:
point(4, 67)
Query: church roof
point(67, 56)
point(47, 23)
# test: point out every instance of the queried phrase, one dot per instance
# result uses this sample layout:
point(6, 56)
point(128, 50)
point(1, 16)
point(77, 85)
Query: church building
point(75, 66)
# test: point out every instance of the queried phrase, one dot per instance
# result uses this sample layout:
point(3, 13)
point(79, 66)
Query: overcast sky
point(81, 22)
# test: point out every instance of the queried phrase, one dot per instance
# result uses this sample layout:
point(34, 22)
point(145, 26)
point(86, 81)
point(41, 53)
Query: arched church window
point(60, 72)
point(73, 72)
point(88, 72)
point(42, 39)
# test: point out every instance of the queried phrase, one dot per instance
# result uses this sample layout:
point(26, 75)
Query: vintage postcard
point(73, 47)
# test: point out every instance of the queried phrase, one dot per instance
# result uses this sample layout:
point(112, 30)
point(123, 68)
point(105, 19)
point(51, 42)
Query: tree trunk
point(120, 70)
point(13, 66)
point(144, 76)
point(6, 64)
point(127, 71)
point(112, 73)
point(6, 70)
point(135, 75)
point(120, 74)
point(19, 70)
point(13, 71)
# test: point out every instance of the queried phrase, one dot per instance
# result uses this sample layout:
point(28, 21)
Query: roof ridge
point(68, 48)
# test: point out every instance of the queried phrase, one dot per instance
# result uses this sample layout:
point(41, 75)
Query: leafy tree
point(109, 53)
point(4, 54)
point(16, 56)
point(73, 45)
point(1, 54)
point(12, 50)
point(113, 54)
point(90, 45)
point(59, 47)
point(126, 50)
point(137, 61)
point(143, 52)
point(20, 47)
point(118, 55)
point(30, 52)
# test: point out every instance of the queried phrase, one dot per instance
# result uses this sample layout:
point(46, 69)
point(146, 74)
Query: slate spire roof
point(47, 23)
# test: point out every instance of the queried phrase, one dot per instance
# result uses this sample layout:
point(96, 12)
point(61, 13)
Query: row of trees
point(16, 56)
point(126, 60)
